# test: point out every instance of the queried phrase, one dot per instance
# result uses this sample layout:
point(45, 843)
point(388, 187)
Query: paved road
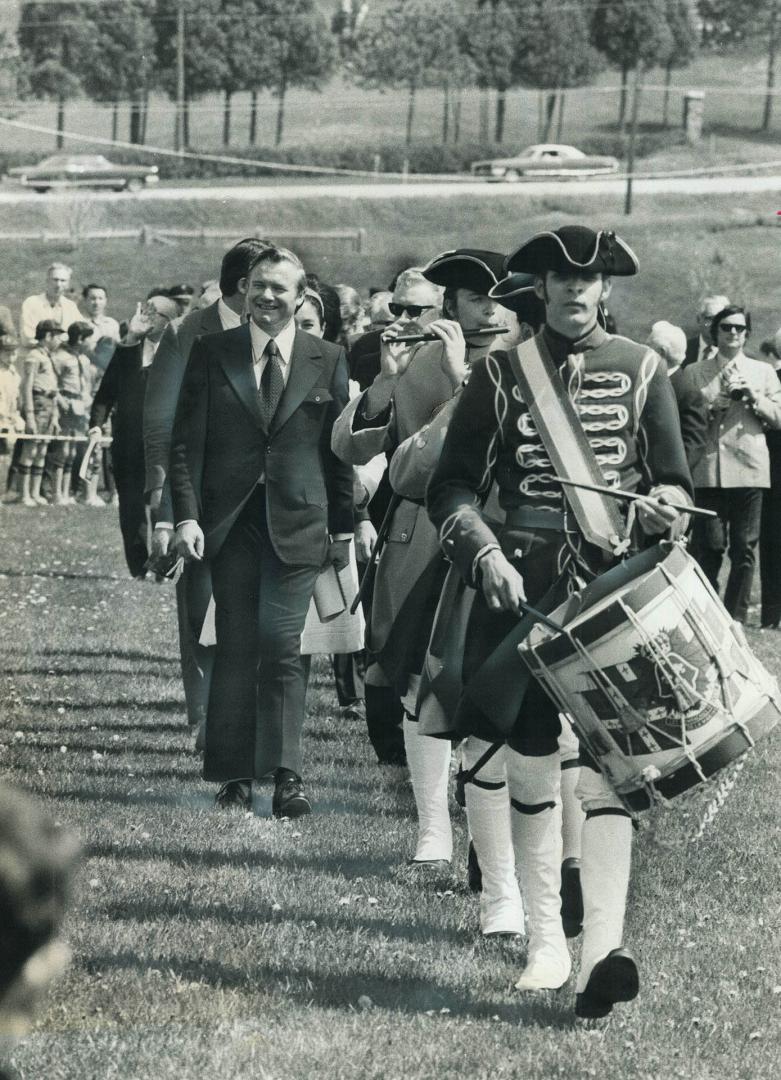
point(318, 189)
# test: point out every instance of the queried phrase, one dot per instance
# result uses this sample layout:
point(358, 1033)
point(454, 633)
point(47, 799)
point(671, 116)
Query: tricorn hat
point(466, 268)
point(572, 248)
point(516, 292)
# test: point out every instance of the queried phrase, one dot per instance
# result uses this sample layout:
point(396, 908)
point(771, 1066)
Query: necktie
point(271, 383)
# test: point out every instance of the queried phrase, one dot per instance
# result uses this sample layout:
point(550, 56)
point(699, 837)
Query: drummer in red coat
point(625, 417)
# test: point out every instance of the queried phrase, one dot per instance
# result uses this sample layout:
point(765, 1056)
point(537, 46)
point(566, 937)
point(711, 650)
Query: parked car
point(545, 159)
point(83, 170)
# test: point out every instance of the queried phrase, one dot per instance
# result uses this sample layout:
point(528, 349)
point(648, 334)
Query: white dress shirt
point(228, 318)
point(284, 340)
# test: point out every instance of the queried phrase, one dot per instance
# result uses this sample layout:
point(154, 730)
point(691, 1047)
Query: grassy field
point(686, 244)
point(343, 113)
point(212, 945)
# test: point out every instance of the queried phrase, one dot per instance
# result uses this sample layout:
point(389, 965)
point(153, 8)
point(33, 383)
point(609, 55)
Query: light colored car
point(545, 159)
point(83, 170)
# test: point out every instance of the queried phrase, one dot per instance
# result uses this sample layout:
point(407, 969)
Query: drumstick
point(631, 496)
point(479, 331)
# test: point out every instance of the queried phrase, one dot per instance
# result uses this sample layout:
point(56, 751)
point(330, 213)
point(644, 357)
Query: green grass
point(686, 244)
point(343, 113)
point(209, 944)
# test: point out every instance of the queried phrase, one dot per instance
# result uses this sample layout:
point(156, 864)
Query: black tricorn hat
point(572, 248)
point(466, 268)
point(516, 292)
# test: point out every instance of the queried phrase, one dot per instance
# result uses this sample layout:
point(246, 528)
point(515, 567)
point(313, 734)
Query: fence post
point(360, 240)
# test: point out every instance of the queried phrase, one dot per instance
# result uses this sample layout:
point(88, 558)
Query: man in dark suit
point(194, 588)
point(670, 343)
point(700, 345)
point(121, 392)
point(258, 492)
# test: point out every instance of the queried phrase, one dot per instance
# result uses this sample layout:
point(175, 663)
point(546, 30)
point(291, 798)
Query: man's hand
point(656, 516)
point(189, 540)
point(502, 584)
point(365, 538)
point(395, 356)
point(139, 322)
point(454, 356)
point(162, 539)
point(338, 554)
point(30, 427)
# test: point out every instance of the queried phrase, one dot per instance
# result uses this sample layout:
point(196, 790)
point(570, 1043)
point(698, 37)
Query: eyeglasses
point(729, 327)
point(413, 310)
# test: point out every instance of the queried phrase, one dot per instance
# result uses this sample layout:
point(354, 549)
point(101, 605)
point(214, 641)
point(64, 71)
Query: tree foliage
point(413, 44)
point(632, 32)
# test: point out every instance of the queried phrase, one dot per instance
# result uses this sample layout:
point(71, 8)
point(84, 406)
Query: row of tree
point(119, 50)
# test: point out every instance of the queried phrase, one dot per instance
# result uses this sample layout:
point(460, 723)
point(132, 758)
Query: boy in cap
point(415, 380)
point(625, 417)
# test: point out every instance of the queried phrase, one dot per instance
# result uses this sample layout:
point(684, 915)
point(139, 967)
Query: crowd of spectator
point(52, 368)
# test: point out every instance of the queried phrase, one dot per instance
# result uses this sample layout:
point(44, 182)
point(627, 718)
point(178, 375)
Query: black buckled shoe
point(613, 979)
point(571, 898)
point(234, 795)
point(289, 799)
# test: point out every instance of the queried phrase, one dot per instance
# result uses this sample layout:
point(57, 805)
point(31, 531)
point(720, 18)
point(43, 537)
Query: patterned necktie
point(271, 383)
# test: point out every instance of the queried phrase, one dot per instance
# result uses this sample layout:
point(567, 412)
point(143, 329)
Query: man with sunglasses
point(743, 398)
point(415, 379)
point(413, 297)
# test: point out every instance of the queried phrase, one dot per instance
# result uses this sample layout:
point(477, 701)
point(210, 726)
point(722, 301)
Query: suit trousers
point(258, 689)
point(770, 556)
point(193, 592)
point(736, 531)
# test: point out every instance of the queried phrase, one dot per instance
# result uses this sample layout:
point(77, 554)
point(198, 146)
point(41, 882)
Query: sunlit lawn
point(208, 944)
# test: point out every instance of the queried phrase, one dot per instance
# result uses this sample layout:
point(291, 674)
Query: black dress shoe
point(474, 875)
point(234, 794)
point(571, 898)
point(613, 979)
point(289, 799)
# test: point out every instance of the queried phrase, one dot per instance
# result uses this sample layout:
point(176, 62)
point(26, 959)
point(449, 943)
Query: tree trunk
point(668, 73)
point(550, 108)
point(60, 122)
point(445, 113)
point(560, 122)
point(410, 112)
point(771, 67)
point(622, 99)
point(226, 119)
point(484, 115)
point(114, 121)
point(630, 153)
point(457, 116)
point(281, 109)
point(501, 108)
point(135, 120)
point(540, 114)
point(253, 117)
point(186, 122)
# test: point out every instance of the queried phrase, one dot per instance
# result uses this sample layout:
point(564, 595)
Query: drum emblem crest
point(669, 681)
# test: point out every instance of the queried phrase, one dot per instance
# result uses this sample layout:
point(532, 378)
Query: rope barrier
point(323, 170)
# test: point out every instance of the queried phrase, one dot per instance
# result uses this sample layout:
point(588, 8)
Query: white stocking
point(429, 767)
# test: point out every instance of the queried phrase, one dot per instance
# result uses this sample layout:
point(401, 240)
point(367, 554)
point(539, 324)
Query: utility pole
point(630, 157)
point(179, 130)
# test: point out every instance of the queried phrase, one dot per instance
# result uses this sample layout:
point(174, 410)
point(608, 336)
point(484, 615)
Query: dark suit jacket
point(692, 350)
point(121, 394)
point(221, 447)
point(162, 393)
point(695, 418)
point(365, 358)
